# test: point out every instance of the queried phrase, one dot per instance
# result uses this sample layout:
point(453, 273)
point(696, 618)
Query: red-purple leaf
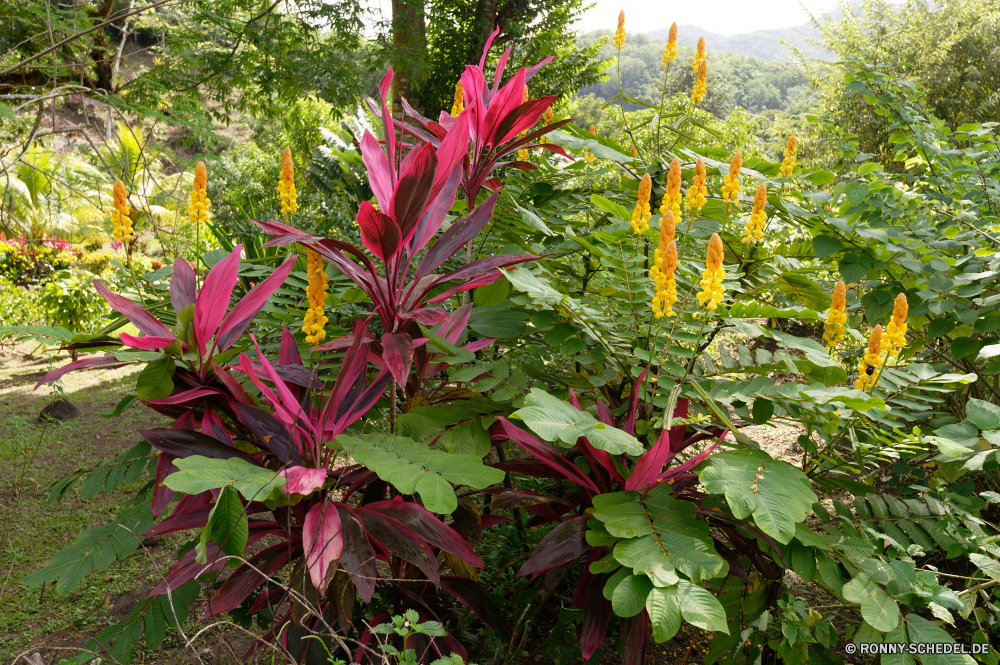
point(302, 480)
point(288, 352)
point(212, 425)
point(503, 103)
point(530, 467)
point(434, 213)
point(379, 170)
point(564, 543)
point(459, 233)
point(185, 443)
point(187, 568)
point(452, 151)
point(192, 519)
point(379, 232)
point(86, 363)
point(476, 599)
point(213, 300)
point(249, 306)
point(269, 431)
point(323, 542)
point(358, 557)
point(391, 534)
point(521, 118)
point(635, 635)
point(143, 320)
point(494, 519)
point(416, 179)
point(426, 316)
point(163, 495)
point(545, 454)
point(514, 499)
point(184, 396)
point(183, 285)
point(148, 343)
point(248, 578)
point(596, 617)
point(397, 350)
point(426, 525)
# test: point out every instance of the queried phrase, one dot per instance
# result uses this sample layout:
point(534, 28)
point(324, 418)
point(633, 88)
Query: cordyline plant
point(414, 193)
point(650, 540)
point(247, 460)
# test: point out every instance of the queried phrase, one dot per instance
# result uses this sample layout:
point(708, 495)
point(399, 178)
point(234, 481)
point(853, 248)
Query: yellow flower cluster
point(662, 271)
point(696, 192)
point(672, 197)
point(868, 370)
point(712, 290)
point(788, 163)
point(548, 121)
point(315, 322)
point(620, 32)
point(523, 153)
point(833, 331)
point(731, 182)
point(459, 104)
point(895, 334)
point(670, 50)
point(286, 185)
point(198, 208)
point(699, 56)
point(698, 93)
point(587, 155)
point(120, 220)
point(754, 231)
point(641, 214)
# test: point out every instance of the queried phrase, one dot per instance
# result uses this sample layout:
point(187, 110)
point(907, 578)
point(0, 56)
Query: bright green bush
point(19, 306)
point(70, 301)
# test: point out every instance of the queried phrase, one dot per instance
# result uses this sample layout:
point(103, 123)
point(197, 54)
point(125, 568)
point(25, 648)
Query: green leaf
point(920, 630)
point(629, 597)
point(664, 612)
point(986, 564)
point(700, 608)
point(7, 112)
point(983, 415)
point(491, 322)
point(554, 419)
point(877, 607)
point(228, 524)
point(777, 494)
point(123, 404)
point(412, 467)
point(492, 294)
point(661, 535)
point(825, 246)
point(615, 209)
point(198, 474)
point(156, 379)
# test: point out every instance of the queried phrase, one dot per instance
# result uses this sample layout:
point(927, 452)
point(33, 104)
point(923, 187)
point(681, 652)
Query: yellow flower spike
point(699, 56)
point(635, 153)
point(788, 163)
point(696, 192)
point(315, 322)
point(620, 32)
point(666, 237)
point(548, 121)
point(833, 331)
point(868, 370)
point(523, 153)
point(662, 271)
point(198, 208)
point(459, 105)
point(286, 185)
point(895, 334)
point(698, 93)
point(670, 50)
point(121, 222)
point(754, 231)
point(731, 182)
point(641, 214)
point(672, 197)
point(587, 155)
point(712, 290)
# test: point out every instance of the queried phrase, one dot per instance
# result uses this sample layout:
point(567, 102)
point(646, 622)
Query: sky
point(725, 17)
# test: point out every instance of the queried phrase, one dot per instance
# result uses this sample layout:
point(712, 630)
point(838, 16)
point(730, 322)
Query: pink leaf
point(86, 363)
point(323, 542)
point(379, 232)
point(379, 170)
point(146, 343)
point(183, 285)
point(509, 98)
point(250, 305)
point(185, 396)
point(302, 480)
point(410, 196)
point(142, 319)
point(163, 495)
point(397, 349)
point(426, 316)
point(213, 301)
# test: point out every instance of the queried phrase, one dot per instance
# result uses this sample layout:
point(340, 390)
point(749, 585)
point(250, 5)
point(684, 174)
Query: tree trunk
point(409, 46)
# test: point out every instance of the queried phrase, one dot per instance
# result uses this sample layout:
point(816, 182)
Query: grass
point(33, 456)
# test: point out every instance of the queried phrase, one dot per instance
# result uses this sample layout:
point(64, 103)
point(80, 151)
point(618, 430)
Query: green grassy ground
point(32, 457)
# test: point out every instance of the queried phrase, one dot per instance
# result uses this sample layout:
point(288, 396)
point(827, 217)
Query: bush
point(19, 306)
point(70, 301)
point(31, 263)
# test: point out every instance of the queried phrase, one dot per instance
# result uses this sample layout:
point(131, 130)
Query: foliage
point(19, 306)
point(32, 263)
point(69, 301)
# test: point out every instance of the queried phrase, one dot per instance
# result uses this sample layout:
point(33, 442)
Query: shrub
point(19, 306)
point(69, 301)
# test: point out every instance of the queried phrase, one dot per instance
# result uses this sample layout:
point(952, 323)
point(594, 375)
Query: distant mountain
point(763, 44)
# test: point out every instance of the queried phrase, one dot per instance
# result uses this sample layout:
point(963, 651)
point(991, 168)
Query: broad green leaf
point(777, 494)
point(156, 380)
point(701, 608)
point(500, 323)
point(983, 414)
point(197, 474)
point(554, 419)
point(629, 597)
point(228, 524)
point(492, 294)
point(664, 612)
